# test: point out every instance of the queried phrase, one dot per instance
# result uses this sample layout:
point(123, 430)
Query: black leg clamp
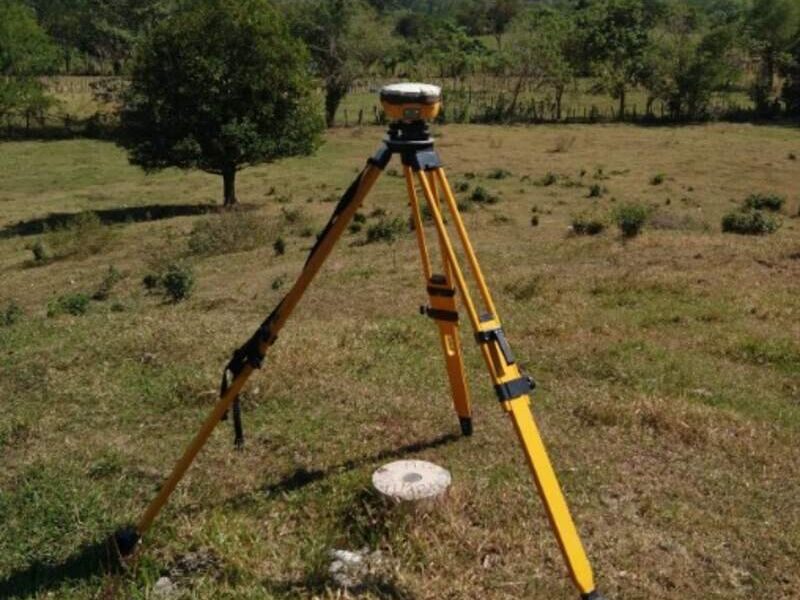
point(499, 336)
point(437, 314)
point(594, 595)
point(514, 389)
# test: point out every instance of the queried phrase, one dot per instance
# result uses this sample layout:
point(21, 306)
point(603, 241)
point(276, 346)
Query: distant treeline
point(681, 58)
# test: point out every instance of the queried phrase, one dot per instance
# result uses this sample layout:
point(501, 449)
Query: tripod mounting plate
point(409, 102)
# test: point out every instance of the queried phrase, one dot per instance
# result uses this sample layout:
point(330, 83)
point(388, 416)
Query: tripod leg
point(442, 309)
point(252, 353)
point(513, 391)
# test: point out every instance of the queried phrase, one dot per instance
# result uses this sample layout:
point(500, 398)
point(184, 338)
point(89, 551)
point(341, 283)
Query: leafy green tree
point(542, 52)
point(492, 17)
point(791, 87)
point(345, 38)
point(219, 86)
point(616, 40)
point(774, 28)
point(25, 52)
point(686, 64)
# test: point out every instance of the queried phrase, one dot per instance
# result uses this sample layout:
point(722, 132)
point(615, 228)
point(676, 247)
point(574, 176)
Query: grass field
point(668, 369)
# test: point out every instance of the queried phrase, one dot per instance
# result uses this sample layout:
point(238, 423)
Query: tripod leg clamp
point(499, 336)
point(437, 314)
point(515, 388)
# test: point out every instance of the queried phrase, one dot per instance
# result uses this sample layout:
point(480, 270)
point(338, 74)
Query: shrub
point(80, 235)
point(74, 304)
point(657, 179)
point(385, 230)
point(771, 202)
point(462, 186)
point(498, 174)
point(749, 223)
point(151, 281)
point(482, 196)
point(535, 221)
point(563, 144)
point(40, 253)
point(359, 218)
point(630, 218)
point(596, 190)
point(231, 231)
point(279, 246)
point(354, 227)
point(178, 281)
point(11, 314)
point(278, 282)
point(111, 278)
point(549, 179)
point(587, 224)
point(377, 213)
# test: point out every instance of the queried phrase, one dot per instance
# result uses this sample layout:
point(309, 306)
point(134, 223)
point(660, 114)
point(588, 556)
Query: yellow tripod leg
point(442, 309)
point(127, 539)
point(513, 390)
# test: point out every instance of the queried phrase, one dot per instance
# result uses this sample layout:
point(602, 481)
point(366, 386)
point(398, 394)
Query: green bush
point(11, 314)
point(151, 281)
point(482, 196)
point(587, 224)
point(535, 221)
point(499, 174)
point(771, 202)
point(385, 230)
point(549, 179)
point(359, 218)
point(74, 304)
point(231, 231)
point(749, 223)
point(279, 247)
point(657, 179)
point(111, 278)
point(462, 186)
point(596, 190)
point(40, 253)
point(80, 235)
point(178, 281)
point(630, 218)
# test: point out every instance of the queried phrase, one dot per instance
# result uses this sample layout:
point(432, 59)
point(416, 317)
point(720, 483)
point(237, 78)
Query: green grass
point(667, 371)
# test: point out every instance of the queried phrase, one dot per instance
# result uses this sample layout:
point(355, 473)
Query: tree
point(541, 52)
point(686, 64)
point(345, 39)
point(791, 87)
point(25, 51)
point(219, 86)
point(616, 41)
point(774, 27)
point(491, 17)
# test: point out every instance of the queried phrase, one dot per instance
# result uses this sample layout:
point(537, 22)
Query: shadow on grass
point(302, 477)
point(109, 216)
point(93, 560)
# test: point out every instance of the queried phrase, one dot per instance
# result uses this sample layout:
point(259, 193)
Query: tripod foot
point(594, 595)
point(126, 541)
point(466, 425)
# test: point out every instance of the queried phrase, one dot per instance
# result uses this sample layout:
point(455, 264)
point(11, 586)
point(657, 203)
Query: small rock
point(164, 588)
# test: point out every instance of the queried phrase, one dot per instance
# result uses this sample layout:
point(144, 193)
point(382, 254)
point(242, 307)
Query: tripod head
point(411, 102)
point(410, 107)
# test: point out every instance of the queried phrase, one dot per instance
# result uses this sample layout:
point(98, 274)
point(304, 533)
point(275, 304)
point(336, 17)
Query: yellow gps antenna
point(410, 107)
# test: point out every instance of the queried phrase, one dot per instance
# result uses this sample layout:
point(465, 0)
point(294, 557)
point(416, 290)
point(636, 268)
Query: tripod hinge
point(499, 336)
point(437, 314)
point(514, 389)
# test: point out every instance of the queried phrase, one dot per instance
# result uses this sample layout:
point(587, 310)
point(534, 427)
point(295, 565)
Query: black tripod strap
point(251, 352)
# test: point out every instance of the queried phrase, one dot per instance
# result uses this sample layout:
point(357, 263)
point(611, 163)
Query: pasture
point(668, 370)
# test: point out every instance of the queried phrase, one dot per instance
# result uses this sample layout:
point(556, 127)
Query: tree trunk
point(621, 115)
point(334, 93)
point(229, 185)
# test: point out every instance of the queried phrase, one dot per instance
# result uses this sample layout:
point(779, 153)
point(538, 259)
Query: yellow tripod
point(410, 106)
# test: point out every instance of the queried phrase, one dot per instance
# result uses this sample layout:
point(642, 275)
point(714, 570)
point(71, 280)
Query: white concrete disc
point(411, 480)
